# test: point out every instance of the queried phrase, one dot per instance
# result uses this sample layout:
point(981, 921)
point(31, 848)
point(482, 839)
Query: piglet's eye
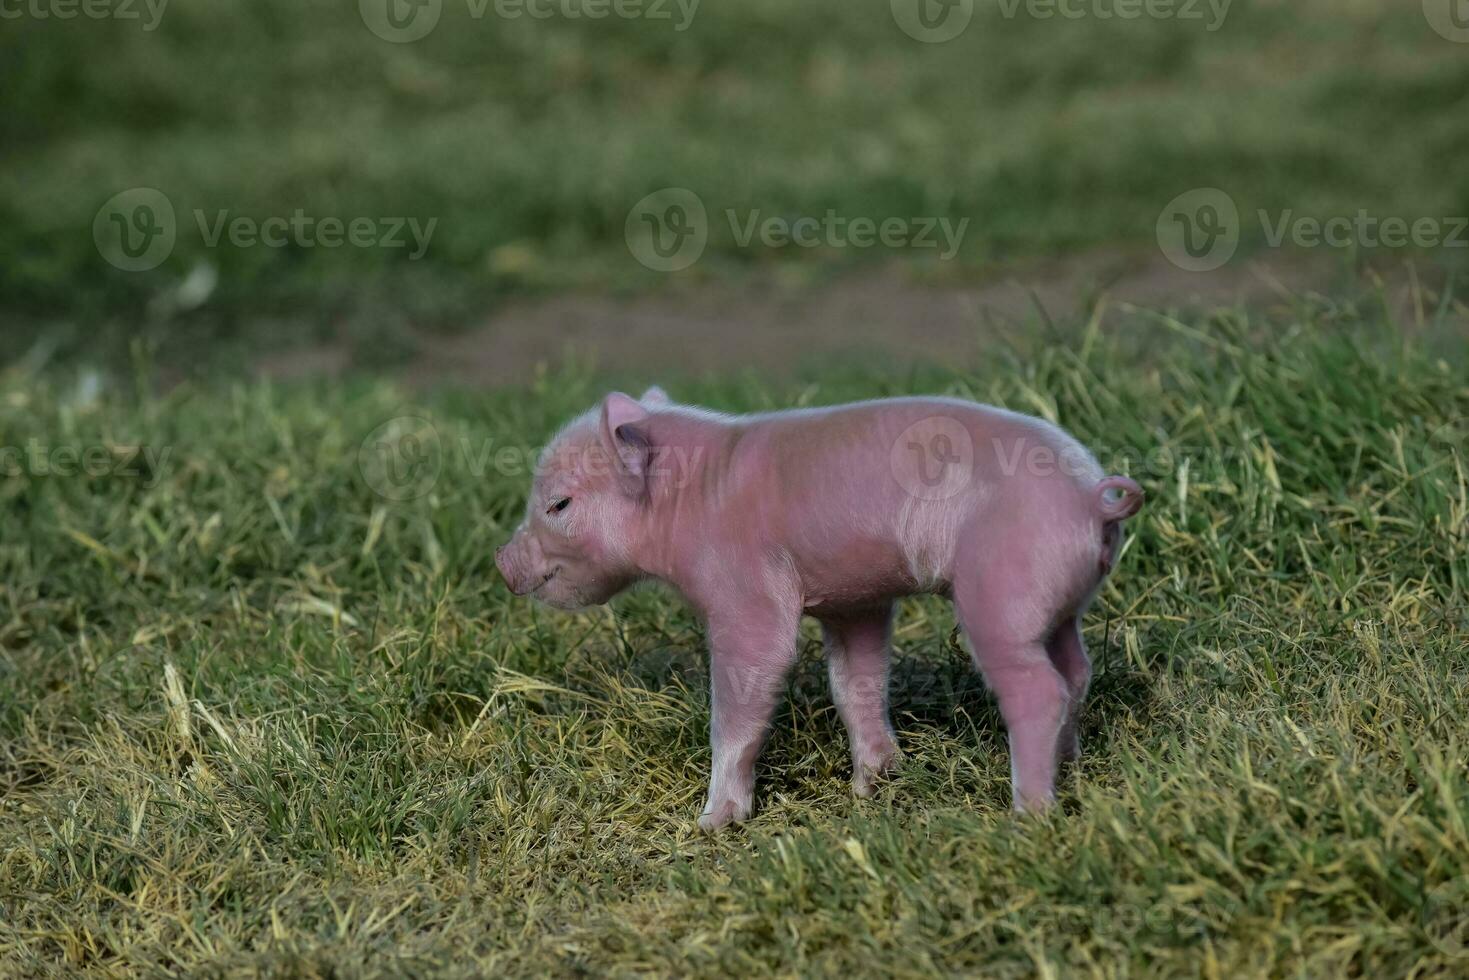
point(559, 506)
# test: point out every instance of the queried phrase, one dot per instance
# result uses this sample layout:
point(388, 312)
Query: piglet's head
point(575, 546)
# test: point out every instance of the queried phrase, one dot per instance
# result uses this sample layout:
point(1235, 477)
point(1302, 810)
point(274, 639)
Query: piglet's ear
point(626, 442)
point(655, 396)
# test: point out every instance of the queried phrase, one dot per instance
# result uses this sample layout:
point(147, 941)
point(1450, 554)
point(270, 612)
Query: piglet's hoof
point(868, 773)
point(1034, 804)
point(721, 815)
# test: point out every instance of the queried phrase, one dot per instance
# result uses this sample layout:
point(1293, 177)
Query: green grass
point(255, 718)
point(530, 140)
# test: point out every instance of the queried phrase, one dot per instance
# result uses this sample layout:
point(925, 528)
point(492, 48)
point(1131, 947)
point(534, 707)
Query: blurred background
point(459, 190)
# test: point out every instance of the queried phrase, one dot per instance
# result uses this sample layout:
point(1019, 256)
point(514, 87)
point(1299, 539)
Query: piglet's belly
point(860, 573)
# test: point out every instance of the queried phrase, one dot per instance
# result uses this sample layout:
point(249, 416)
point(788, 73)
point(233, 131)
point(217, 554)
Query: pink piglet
point(836, 513)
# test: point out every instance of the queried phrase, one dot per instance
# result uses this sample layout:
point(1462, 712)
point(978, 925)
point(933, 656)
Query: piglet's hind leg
point(1032, 694)
point(1068, 656)
point(858, 652)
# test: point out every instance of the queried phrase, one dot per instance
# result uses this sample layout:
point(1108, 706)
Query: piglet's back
point(893, 451)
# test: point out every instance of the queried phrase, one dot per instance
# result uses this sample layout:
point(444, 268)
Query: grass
point(530, 140)
point(255, 718)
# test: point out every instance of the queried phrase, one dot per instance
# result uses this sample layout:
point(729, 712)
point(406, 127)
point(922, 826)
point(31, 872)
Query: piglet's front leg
point(752, 649)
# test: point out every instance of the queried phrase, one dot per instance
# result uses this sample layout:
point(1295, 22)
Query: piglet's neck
point(688, 474)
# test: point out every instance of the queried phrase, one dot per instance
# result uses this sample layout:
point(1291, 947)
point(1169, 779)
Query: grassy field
point(529, 141)
point(256, 717)
point(265, 707)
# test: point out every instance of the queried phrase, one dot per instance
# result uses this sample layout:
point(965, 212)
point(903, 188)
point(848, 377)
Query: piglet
point(836, 513)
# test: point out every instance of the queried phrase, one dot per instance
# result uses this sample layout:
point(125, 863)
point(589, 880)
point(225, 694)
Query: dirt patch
point(764, 325)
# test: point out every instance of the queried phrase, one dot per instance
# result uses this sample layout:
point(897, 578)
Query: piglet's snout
point(511, 571)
